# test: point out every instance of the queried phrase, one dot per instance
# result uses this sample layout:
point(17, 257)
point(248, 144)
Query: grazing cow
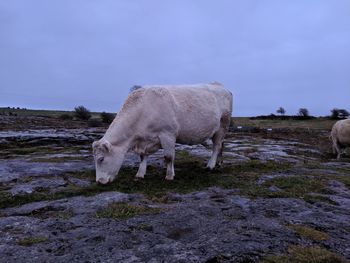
point(340, 136)
point(155, 117)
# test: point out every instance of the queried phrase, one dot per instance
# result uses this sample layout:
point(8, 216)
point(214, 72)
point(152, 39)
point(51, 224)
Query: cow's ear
point(106, 146)
point(94, 144)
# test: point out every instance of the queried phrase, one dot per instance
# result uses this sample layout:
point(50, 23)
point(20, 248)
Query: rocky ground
point(278, 197)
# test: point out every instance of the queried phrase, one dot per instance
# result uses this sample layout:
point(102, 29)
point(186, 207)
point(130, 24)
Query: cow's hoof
point(138, 179)
point(169, 178)
point(209, 168)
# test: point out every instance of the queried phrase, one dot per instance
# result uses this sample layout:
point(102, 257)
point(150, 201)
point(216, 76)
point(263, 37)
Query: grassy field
point(318, 123)
point(39, 113)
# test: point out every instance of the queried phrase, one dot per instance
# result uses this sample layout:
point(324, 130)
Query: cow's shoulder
point(134, 98)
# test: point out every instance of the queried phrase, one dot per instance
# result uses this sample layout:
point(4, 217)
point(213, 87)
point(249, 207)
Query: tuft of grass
point(299, 254)
point(124, 210)
point(301, 187)
point(29, 241)
point(308, 232)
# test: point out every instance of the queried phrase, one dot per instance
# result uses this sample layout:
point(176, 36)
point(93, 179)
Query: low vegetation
point(190, 176)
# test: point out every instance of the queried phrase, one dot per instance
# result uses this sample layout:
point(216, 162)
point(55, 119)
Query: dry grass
point(319, 123)
point(309, 232)
point(29, 241)
point(299, 254)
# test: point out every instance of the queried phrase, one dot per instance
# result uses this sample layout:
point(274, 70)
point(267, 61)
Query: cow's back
point(194, 111)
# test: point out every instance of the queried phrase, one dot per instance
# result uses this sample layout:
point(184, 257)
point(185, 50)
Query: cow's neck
point(121, 132)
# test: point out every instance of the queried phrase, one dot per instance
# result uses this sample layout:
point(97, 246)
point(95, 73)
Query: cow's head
point(108, 160)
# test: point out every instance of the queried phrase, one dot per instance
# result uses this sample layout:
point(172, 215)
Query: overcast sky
point(58, 54)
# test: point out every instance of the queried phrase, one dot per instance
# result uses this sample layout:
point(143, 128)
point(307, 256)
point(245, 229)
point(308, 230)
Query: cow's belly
point(197, 135)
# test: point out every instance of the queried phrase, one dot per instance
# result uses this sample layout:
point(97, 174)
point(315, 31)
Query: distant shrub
point(82, 113)
point(303, 112)
point(94, 123)
point(65, 117)
point(135, 87)
point(281, 117)
point(107, 117)
point(339, 114)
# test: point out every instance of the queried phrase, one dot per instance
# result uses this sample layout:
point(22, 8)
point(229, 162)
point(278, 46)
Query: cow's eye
point(100, 160)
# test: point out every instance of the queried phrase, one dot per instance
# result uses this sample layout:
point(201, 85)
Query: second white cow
point(155, 117)
point(340, 135)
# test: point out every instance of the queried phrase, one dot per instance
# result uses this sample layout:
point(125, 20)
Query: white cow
point(155, 117)
point(340, 136)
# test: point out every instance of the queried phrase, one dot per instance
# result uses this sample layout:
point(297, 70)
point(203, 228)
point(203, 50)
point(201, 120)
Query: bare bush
point(82, 113)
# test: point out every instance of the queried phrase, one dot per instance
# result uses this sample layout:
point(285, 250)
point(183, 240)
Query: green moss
point(297, 186)
point(124, 210)
point(309, 232)
point(29, 241)
point(299, 254)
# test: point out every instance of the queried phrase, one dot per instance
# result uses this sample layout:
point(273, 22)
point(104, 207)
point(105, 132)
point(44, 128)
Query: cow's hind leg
point(143, 167)
point(168, 145)
point(336, 148)
point(218, 139)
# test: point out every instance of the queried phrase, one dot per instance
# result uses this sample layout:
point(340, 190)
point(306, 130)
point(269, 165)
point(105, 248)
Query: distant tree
point(281, 111)
point(107, 117)
point(303, 112)
point(135, 87)
point(334, 113)
point(339, 113)
point(82, 113)
point(343, 113)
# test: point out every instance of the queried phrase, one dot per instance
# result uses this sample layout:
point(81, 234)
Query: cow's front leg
point(168, 144)
point(143, 167)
